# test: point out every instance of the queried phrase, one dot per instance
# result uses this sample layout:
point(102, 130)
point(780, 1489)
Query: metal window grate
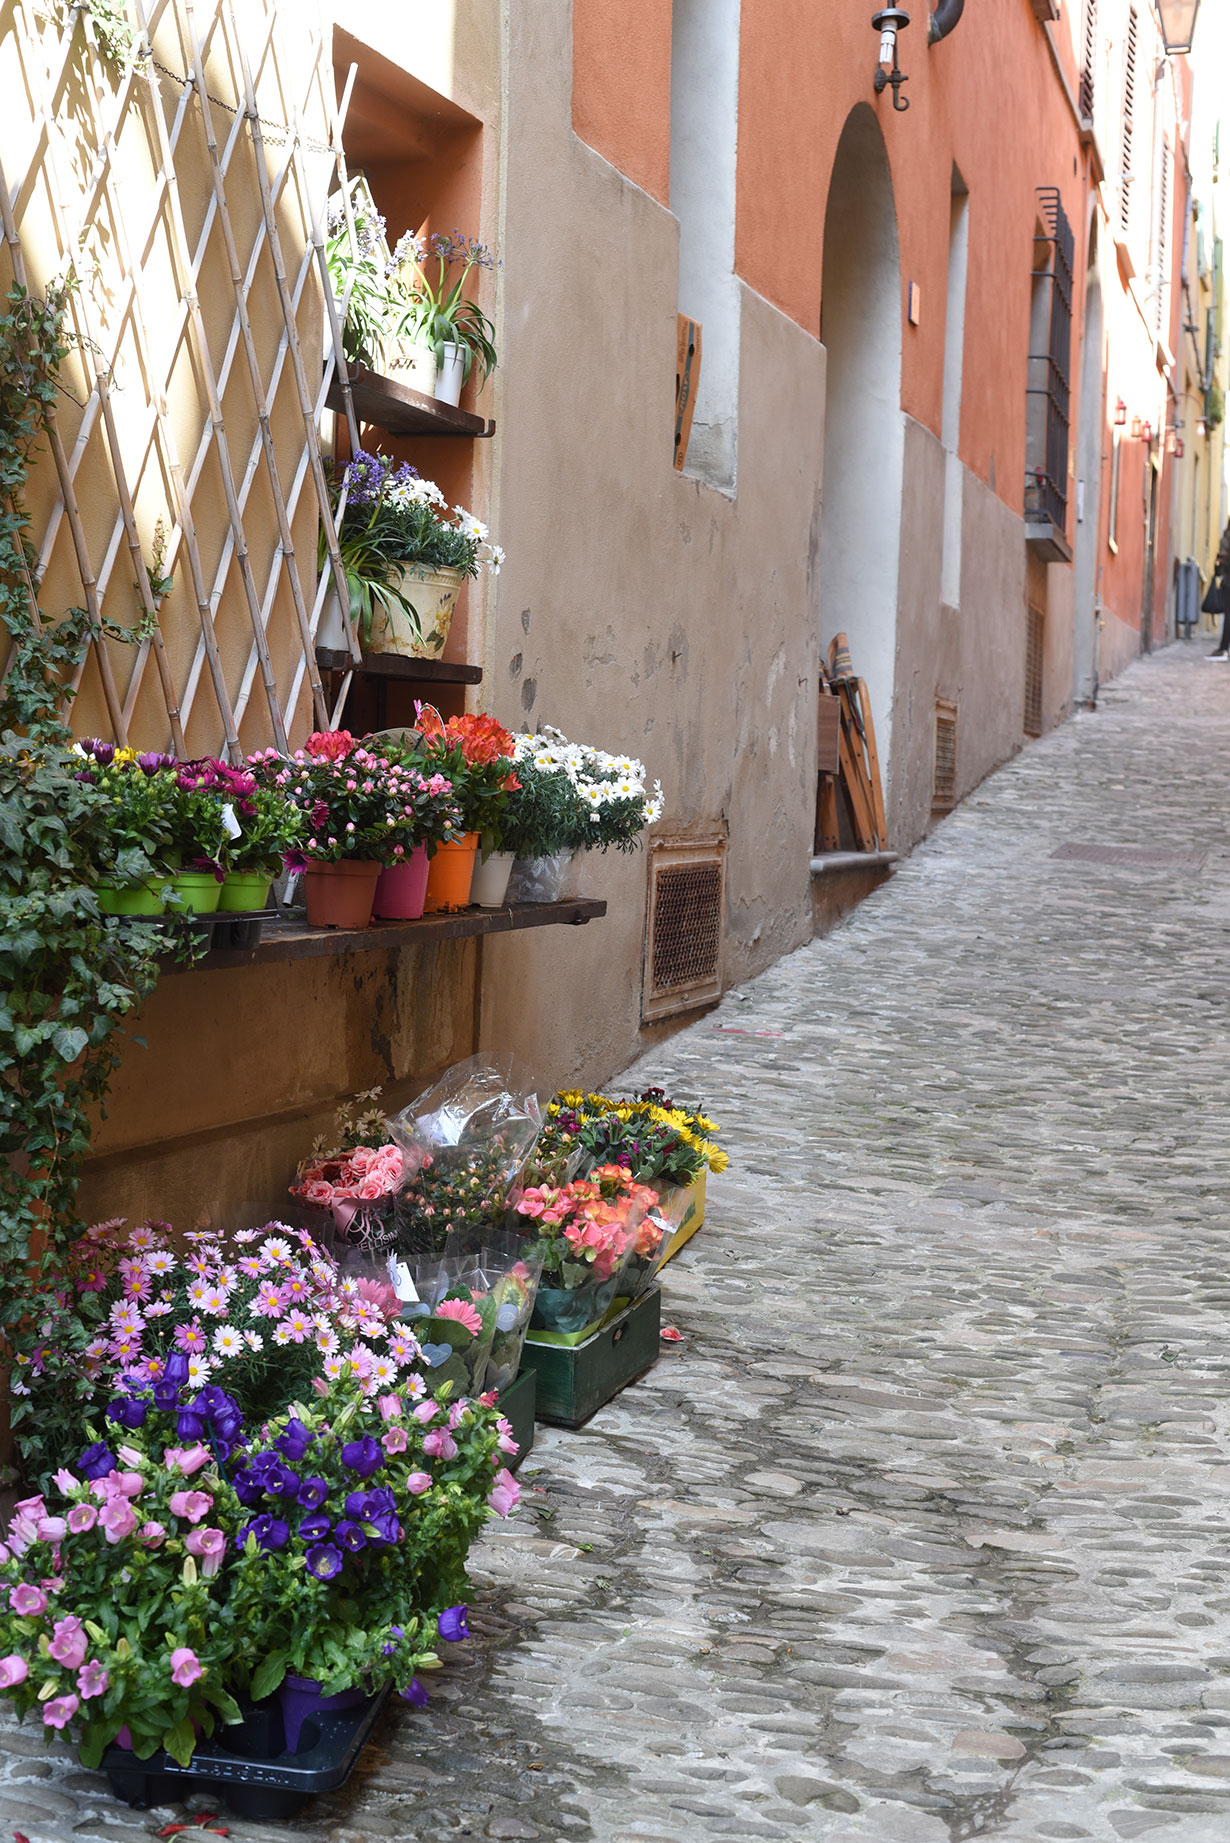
point(1046, 469)
point(685, 929)
point(944, 770)
point(1035, 640)
point(1088, 58)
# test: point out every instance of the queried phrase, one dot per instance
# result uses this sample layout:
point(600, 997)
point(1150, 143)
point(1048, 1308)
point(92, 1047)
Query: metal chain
point(278, 132)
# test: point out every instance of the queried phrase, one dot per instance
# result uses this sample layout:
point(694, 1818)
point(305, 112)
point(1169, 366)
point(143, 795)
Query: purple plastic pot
point(301, 1697)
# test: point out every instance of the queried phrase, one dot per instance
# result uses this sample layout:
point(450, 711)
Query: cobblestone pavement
point(920, 1535)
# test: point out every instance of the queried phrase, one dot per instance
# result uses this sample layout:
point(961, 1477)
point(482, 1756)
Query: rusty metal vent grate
point(685, 929)
point(1035, 640)
point(944, 771)
point(1131, 857)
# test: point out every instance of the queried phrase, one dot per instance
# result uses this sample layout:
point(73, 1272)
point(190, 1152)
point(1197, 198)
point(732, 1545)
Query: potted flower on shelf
point(433, 817)
point(140, 815)
point(476, 754)
point(357, 812)
point(432, 273)
point(269, 828)
point(594, 800)
point(405, 555)
point(370, 296)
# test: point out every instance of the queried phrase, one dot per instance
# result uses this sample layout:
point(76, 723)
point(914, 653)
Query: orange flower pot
point(340, 895)
point(450, 876)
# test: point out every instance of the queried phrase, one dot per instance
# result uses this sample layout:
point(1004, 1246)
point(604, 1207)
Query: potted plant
point(372, 300)
point(140, 803)
point(353, 805)
point(434, 820)
point(475, 752)
point(591, 799)
point(267, 829)
point(405, 555)
point(432, 273)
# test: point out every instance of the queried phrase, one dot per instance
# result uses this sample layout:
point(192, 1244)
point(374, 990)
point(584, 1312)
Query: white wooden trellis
point(185, 198)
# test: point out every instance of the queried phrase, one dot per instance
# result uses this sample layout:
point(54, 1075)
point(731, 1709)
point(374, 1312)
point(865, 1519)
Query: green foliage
point(118, 40)
point(539, 818)
point(69, 975)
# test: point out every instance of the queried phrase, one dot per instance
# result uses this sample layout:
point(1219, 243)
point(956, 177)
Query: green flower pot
point(245, 889)
point(198, 891)
point(141, 899)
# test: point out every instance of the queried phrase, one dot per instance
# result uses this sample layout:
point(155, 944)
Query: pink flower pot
point(402, 888)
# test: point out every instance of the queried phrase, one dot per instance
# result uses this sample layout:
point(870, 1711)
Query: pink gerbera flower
point(462, 1311)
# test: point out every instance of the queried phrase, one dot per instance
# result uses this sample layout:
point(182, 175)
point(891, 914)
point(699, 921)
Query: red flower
point(330, 745)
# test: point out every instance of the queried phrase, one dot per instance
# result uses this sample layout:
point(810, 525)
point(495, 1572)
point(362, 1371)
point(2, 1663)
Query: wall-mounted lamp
point(1134, 431)
point(1146, 434)
point(1120, 412)
point(1178, 23)
point(1202, 428)
point(888, 22)
point(1179, 448)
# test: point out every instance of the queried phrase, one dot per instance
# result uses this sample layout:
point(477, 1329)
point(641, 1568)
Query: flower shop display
point(573, 1378)
point(465, 1140)
point(585, 1232)
point(438, 791)
point(475, 753)
point(358, 262)
point(360, 813)
point(267, 830)
point(405, 554)
point(576, 798)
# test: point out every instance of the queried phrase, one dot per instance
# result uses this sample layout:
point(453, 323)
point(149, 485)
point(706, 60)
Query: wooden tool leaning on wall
point(848, 760)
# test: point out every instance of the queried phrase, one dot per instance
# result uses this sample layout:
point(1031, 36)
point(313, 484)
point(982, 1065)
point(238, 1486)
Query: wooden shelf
point(393, 665)
point(294, 940)
point(399, 410)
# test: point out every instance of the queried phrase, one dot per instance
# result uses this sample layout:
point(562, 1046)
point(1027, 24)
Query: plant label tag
point(229, 821)
point(402, 1280)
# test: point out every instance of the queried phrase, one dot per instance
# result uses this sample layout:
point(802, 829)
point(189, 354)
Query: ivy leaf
point(69, 1043)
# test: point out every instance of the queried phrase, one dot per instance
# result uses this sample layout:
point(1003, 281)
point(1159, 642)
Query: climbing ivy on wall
point(69, 975)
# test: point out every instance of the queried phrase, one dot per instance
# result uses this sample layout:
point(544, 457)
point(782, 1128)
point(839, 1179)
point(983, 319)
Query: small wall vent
point(944, 769)
point(686, 926)
point(1035, 642)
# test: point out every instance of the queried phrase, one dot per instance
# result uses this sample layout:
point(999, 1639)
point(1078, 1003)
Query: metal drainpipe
point(945, 17)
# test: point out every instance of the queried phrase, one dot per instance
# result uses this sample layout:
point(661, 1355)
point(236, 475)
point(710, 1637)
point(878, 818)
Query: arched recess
point(1089, 435)
point(864, 431)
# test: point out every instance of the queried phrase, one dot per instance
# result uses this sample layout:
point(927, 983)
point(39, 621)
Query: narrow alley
point(921, 1534)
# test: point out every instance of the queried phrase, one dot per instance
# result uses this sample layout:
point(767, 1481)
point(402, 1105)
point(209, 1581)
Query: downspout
point(946, 15)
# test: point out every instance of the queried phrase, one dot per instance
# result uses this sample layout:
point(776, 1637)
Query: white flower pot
point(433, 596)
point(415, 366)
point(451, 375)
point(490, 883)
point(332, 632)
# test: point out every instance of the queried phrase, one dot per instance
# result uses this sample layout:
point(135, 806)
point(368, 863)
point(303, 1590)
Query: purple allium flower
point(452, 1625)
point(324, 1561)
point(269, 1532)
point(415, 1694)
point(363, 1456)
point(96, 1461)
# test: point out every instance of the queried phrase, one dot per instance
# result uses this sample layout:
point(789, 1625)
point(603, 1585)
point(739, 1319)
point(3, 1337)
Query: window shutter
point(1088, 54)
point(1161, 266)
point(1129, 109)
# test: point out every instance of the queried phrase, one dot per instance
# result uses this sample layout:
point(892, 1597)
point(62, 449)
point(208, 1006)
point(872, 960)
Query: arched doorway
point(864, 431)
point(1090, 414)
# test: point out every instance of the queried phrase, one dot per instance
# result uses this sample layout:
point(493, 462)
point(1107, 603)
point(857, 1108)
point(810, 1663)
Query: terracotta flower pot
point(340, 895)
point(450, 875)
point(402, 887)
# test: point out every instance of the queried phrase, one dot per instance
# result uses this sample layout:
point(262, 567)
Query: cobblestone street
point(921, 1534)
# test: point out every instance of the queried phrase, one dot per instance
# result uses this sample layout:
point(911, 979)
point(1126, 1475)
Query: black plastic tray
point(254, 1782)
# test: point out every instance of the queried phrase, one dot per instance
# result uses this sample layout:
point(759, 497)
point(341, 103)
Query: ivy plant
point(69, 975)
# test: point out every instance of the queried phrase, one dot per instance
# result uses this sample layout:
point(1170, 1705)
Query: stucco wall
point(638, 608)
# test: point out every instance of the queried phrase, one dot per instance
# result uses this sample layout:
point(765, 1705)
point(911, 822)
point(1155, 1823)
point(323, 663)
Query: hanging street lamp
point(1178, 22)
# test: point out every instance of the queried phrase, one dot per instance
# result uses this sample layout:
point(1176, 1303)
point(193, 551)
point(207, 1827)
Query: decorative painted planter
point(433, 596)
point(249, 1766)
point(574, 1380)
point(539, 879)
point(693, 1216)
point(402, 888)
point(340, 895)
point(197, 891)
point(450, 875)
point(244, 890)
point(490, 886)
point(451, 375)
point(145, 899)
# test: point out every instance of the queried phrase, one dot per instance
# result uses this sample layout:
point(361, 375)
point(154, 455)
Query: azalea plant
point(354, 803)
point(393, 517)
point(475, 753)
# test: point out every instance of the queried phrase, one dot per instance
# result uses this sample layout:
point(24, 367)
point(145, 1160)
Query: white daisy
point(199, 1372)
point(228, 1342)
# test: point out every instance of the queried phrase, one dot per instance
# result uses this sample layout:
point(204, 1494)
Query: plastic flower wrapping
point(466, 1139)
point(586, 1232)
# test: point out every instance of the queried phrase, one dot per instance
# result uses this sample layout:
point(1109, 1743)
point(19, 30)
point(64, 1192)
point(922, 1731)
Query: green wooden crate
point(574, 1380)
point(516, 1404)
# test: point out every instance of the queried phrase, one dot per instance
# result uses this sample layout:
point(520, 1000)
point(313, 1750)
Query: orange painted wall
point(791, 112)
point(621, 87)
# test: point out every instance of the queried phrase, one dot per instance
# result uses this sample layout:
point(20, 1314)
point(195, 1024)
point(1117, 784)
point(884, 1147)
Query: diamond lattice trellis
point(184, 194)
